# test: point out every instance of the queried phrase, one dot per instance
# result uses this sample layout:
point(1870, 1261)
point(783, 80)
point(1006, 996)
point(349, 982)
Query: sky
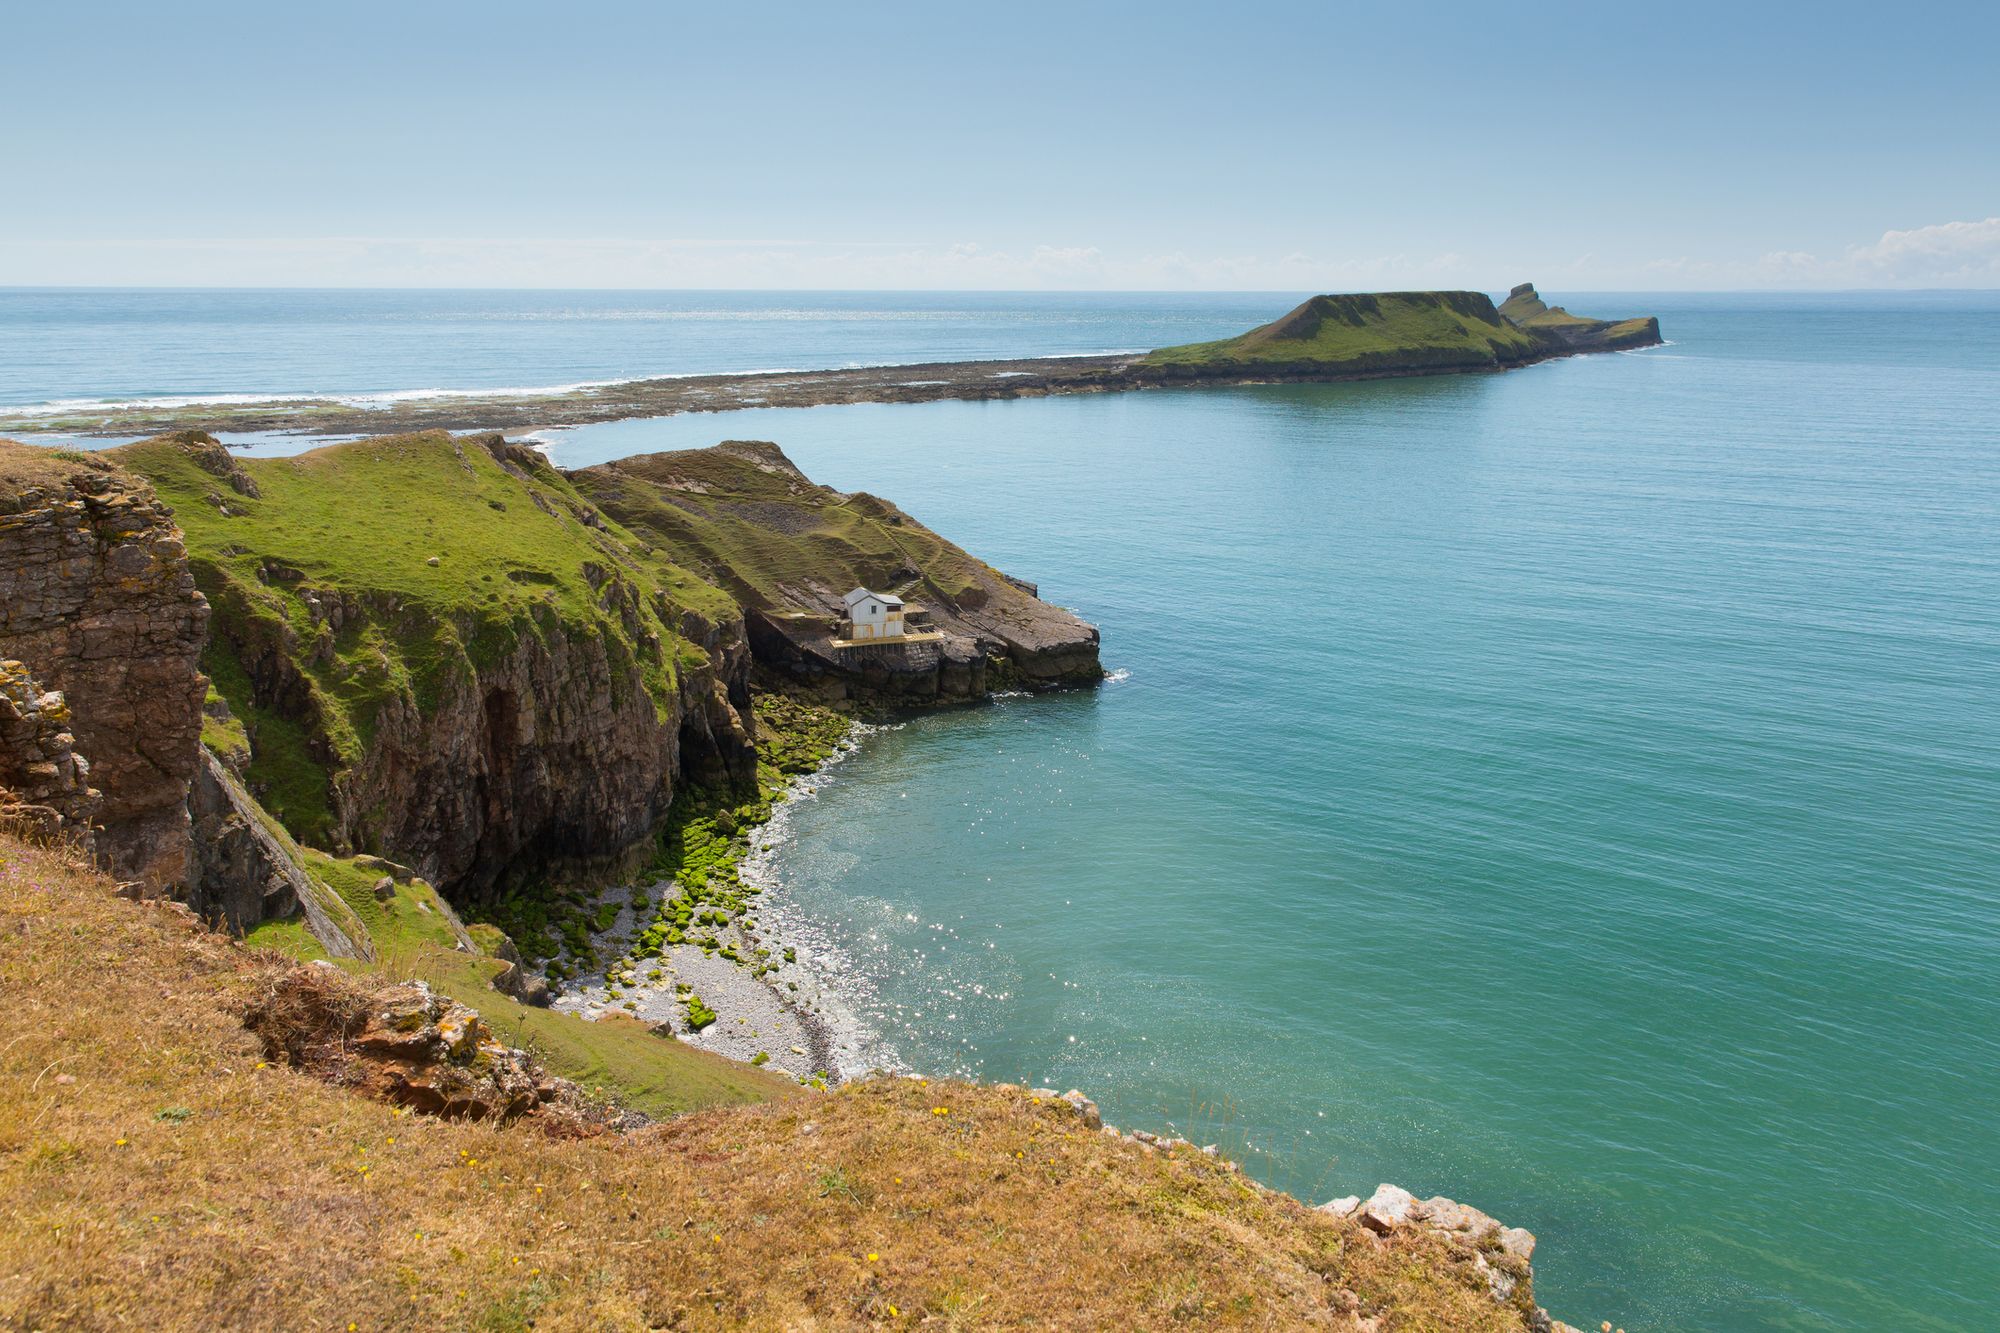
point(1159, 146)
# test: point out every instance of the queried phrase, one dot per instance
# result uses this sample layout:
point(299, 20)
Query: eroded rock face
point(96, 599)
point(45, 786)
point(551, 758)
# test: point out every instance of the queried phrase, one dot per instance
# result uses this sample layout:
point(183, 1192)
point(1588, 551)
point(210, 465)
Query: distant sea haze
point(1571, 790)
point(89, 345)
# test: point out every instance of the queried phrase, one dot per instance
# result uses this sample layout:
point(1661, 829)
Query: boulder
point(1448, 1215)
point(1389, 1207)
point(528, 987)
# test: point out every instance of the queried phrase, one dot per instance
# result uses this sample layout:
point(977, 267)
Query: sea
point(1575, 791)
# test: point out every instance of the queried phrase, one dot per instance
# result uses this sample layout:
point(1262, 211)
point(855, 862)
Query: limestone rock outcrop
point(45, 789)
point(97, 600)
point(409, 1045)
point(1500, 1253)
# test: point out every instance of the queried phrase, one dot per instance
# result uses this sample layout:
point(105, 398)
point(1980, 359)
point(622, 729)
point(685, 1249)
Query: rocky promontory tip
point(1524, 307)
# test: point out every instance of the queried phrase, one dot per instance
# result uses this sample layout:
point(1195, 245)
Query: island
point(1326, 339)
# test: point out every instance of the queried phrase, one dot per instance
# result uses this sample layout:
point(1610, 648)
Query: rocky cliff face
point(471, 672)
point(97, 601)
point(550, 757)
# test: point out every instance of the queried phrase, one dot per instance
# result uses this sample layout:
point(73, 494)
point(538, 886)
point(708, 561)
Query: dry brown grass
point(29, 465)
point(154, 1174)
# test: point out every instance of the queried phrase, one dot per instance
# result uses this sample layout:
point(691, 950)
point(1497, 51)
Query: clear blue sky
point(1276, 145)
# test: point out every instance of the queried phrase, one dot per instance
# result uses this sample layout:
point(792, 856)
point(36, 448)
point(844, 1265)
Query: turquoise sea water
point(1574, 791)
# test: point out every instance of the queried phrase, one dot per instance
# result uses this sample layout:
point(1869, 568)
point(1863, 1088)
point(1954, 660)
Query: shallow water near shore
point(1572, 790)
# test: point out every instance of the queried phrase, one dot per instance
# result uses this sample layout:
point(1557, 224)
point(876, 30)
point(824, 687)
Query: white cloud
point(1947, 254)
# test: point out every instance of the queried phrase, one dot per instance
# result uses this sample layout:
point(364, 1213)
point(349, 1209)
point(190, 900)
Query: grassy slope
point(762, 531)
point(622, 1060)
point(153, 1175)
point(1364, 333)
point(366, 518)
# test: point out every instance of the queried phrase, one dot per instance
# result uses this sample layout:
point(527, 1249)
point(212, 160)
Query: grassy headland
point(384, 571)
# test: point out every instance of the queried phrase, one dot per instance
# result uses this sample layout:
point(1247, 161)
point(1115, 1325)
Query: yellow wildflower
point(872, 1256)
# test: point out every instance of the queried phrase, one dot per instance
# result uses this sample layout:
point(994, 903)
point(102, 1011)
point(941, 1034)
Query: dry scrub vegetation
point(157, 1172)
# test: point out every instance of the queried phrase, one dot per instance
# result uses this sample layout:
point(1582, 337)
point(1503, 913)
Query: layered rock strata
point(97, 600)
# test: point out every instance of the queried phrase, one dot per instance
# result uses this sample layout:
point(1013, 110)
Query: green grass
point(620, 1058)
point(517, 554)
point(1364, 333)
point(289, 937)
point(750, 524)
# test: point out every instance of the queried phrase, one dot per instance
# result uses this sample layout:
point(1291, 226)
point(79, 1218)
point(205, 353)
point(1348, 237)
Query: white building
point(873, 615)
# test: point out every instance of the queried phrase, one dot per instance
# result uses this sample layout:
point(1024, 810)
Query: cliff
point(449, 652)
point(97, 601)
point(435, 649)
point(447, 649)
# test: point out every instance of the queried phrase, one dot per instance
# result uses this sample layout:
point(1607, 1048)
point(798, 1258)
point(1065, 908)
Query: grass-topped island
point(1356, 336)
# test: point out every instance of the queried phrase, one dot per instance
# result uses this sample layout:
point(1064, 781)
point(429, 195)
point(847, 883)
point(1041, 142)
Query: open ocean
point(1575, 791)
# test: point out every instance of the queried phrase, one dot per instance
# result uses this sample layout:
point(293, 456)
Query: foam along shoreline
point(584, 402)
point(798, 1016)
